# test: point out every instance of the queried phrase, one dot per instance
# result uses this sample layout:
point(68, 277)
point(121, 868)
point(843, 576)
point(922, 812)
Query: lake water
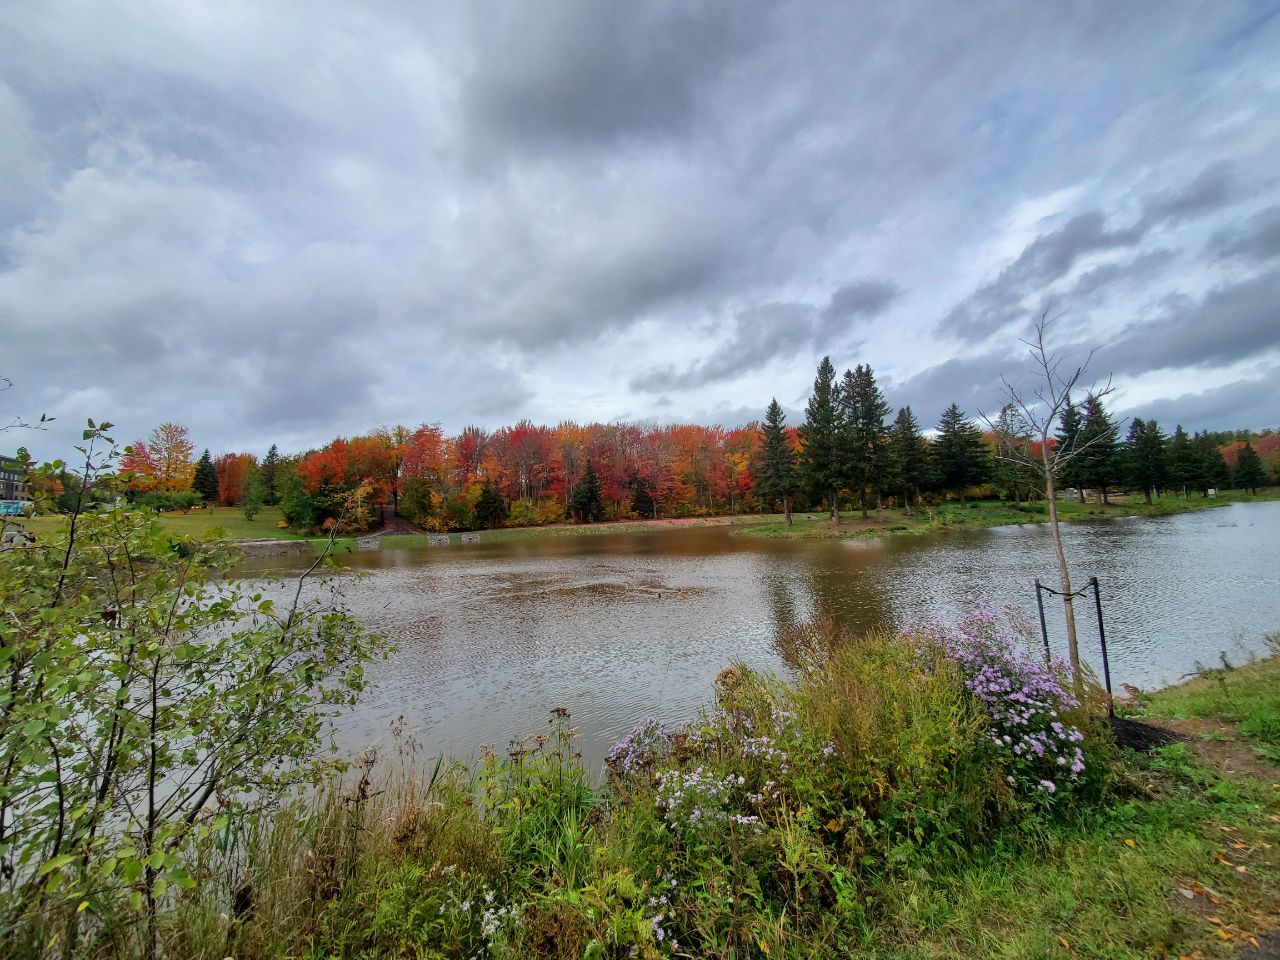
point(491, 636)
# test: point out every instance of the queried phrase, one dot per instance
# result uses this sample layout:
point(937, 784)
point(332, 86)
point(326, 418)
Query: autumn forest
point(850, 449)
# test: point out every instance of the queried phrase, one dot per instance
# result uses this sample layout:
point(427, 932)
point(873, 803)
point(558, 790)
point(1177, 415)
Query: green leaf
point(56, 863)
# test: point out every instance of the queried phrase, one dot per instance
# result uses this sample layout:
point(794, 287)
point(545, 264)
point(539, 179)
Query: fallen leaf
point(1189, 894)
point(1214, 920)
point(1242, 869)
point(1223, 934)
point(1131, 843)
point(1063, 941)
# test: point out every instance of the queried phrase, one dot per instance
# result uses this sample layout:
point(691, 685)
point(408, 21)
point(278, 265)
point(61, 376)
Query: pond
point(491, 636)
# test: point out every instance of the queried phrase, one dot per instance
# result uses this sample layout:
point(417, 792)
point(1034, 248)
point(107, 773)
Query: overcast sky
point(280, 222)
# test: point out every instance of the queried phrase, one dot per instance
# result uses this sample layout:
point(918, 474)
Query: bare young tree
point(1024, 433)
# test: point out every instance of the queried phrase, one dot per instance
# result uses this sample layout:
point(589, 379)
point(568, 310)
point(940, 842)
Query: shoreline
point(984, 514)
point(228, 522)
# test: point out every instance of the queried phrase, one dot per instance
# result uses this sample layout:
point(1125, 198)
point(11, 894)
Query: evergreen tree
point(205, 481)
point(906, 457)
point(1180, 461)
point(1145, 456)
point(775, 473)
point(268, 471)
point(586, 503)
point(1249, 474)
point(862, 413)
point(1099, 456)
point(959, 455)
point(491, 508)
point(1212, 471)
point(820, 460)
point(642, 502)
point(1070, 425)
point(1014, 443)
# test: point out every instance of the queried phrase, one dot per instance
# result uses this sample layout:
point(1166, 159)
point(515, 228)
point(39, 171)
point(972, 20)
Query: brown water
point(491, 636)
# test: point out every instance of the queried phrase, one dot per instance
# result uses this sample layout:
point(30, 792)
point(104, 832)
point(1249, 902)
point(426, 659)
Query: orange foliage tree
point(233, 470)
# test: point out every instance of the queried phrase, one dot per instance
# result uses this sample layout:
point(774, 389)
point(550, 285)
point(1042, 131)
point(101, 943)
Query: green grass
point(986, 513)
point(1248, 696)
point(1081, 889)
point(228, 522)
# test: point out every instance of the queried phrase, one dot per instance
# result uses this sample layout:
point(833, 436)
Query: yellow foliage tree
point(171, 447)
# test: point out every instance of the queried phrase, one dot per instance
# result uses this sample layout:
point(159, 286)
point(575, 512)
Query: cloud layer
point(277, 223)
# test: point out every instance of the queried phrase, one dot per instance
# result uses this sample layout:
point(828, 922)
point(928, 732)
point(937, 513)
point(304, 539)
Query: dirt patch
point(1268, 948)
point(1219, 742)
point(1143, 737)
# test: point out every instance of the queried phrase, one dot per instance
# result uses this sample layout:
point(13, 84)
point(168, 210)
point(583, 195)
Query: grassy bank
point(987, 513)
point(1229, 704)
point(516, 534)
point(231, 523)
point(890, 803)
point(215, 522)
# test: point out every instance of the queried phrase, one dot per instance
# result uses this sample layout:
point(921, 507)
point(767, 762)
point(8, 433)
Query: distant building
point(13, 478)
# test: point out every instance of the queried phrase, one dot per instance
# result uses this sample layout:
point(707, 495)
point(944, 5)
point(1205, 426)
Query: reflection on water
point(490, 637)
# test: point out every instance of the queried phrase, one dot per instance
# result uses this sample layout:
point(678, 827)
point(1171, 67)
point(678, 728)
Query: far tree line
point(848, 447)
point(851, 450)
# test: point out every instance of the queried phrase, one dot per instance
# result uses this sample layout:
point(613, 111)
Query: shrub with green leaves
point(145, 700)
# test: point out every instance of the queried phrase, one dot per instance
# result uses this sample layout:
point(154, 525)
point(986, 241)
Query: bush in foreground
point(785, 821)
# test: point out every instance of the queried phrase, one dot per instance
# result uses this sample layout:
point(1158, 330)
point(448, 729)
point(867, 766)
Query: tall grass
point(870, 807)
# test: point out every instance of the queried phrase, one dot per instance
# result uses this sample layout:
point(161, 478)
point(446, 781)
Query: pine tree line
point(847, 445)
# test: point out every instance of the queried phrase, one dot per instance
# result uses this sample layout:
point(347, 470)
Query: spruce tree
point(906, 457)
point(1181, 461)
point(775, 476)
point(1014, 442)
point(959, 456)
point(1099, 456)
point(1068, 436)
point(642, 502)
point(1248, 474)
point(491, 508)
point(1145, 457)
point(820, 460)
point(268, 471)
point(1212, 471)
point(205, 480)
point(586, 502)
point(862, 409)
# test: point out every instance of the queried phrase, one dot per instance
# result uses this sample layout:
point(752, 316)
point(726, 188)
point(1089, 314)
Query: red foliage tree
point(233, 471)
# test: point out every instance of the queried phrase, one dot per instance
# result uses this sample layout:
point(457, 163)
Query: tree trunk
point(1147, 491)
point(835, 506)
point(863, 500)
point(1069, 610)
point(786, 506)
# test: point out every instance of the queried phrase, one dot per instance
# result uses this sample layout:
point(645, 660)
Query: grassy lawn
point(986, 513)
point(1114, 882)
point(225, 521)
point(1247, 697)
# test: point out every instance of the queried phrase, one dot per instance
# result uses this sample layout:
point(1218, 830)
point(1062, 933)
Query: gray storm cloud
point(278, 223)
